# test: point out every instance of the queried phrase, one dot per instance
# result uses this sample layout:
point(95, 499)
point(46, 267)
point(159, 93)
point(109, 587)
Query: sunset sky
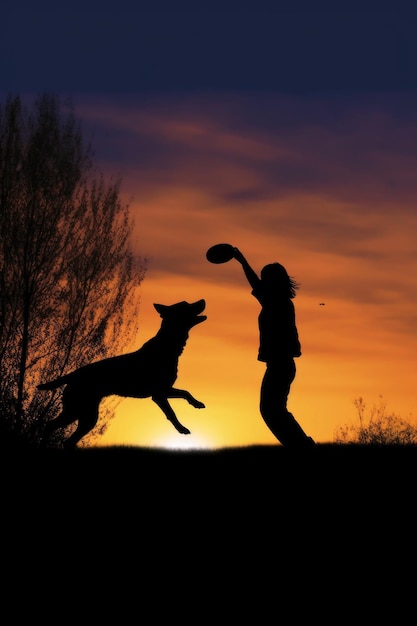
point(292, 135)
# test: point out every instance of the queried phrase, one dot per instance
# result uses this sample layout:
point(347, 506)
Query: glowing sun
point(184, 442)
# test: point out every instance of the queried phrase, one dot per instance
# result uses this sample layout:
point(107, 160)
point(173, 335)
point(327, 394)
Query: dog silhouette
point(150, 371)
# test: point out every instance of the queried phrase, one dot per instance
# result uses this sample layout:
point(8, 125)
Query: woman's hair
point(276, 276)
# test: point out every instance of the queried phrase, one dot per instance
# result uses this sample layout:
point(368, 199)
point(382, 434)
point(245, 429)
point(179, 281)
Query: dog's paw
point(198, 405)
point(184, 431)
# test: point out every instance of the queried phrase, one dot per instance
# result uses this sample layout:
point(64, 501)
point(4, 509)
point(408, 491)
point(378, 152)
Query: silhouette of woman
point(279, 345)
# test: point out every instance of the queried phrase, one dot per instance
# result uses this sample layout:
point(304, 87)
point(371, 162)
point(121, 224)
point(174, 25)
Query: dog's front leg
point(185, 395)
point(164, 405)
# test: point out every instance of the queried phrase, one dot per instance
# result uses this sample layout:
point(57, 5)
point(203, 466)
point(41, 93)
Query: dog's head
point(183, 314)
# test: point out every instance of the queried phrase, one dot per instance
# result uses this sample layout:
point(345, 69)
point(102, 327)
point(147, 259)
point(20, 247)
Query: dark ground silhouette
point(260, 476)
point(236, 532)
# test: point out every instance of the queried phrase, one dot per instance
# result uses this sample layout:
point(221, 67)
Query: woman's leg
point(275, 389)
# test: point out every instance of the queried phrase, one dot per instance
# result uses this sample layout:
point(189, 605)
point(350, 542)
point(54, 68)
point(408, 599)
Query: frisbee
point(220, 253)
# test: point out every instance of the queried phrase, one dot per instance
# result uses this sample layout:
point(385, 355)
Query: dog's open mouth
point(199, 307)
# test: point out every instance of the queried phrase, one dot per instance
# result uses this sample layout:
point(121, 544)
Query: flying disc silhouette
point(220, 253)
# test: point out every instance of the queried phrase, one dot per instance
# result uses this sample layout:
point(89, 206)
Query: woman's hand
point(238, 255)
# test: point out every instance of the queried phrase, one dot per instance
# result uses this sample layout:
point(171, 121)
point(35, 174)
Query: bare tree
point(68, 277)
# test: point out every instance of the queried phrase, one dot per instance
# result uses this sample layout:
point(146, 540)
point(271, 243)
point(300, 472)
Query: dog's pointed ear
point(160, 308)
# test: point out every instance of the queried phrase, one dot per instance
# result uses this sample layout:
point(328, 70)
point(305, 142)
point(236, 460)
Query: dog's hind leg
point(87, 419)
point(164, 405)
point(65, 418)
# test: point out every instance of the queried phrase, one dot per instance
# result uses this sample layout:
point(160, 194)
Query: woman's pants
point(275, 388)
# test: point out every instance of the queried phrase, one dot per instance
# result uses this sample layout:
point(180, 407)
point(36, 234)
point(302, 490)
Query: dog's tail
point(53, 384)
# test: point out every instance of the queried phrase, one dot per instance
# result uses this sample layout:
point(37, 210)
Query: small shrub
point(376, 427)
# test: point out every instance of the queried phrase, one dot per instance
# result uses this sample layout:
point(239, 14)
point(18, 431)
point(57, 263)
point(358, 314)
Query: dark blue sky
point(136, 47)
